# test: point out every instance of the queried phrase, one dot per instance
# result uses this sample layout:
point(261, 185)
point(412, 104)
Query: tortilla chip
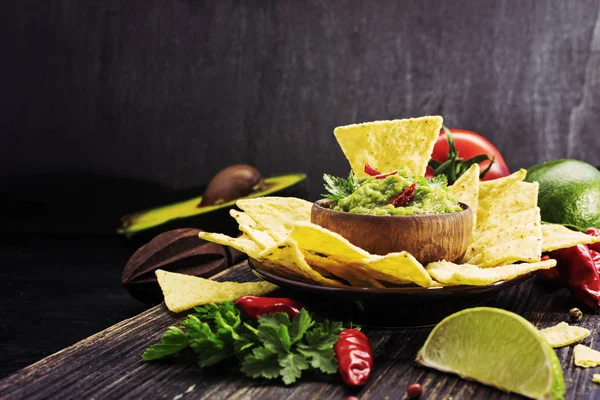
point(466, 190)
point(393, 267)
point(508, 223)
point(560, 237)
point(287, 255)
point(183, 292)
point(596, 378)
point(467, 274)
point(249, 227)
point(276, 215)
point(564, 334)
point(242, 243)
point(390, 145)
point(517, 238)
point(355, 277)
point(586, 357)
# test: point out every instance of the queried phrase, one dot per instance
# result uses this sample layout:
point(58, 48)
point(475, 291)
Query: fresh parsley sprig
point(270, 347)
point(338, 188)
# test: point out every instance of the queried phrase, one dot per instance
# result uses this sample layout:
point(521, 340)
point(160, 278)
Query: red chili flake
point(384, 175)
point(371, 171)
point(404, 197)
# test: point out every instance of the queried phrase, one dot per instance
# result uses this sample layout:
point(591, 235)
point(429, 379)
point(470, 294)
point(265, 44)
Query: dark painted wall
point(172, 91)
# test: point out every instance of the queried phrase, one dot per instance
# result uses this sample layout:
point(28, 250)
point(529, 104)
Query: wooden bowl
point(428, 237)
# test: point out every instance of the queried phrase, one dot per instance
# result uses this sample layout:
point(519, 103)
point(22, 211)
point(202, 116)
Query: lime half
point(497, 348)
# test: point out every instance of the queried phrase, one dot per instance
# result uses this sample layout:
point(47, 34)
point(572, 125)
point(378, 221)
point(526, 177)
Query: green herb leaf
point(262, 363)
point(172, 341)
point(274, 319)
point(439, 181)
point(292, 365)
point(339, 188)
point(275, 339)
point(324, 360)
point(301, 323)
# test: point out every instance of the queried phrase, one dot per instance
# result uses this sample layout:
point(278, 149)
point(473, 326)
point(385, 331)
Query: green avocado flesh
point(373, 197)
point(147, 219)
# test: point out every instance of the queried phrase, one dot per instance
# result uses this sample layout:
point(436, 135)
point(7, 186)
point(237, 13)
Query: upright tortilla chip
point(390, 145)
point(508, 223)
point(276, 215)
point(183, 292)
point(556, 237)
point(466, 190)
point(563, 334)
point(467, 274)
point(394, 267)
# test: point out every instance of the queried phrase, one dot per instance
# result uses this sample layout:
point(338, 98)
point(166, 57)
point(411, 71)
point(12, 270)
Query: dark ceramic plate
point(412, 306)
point(355, 293)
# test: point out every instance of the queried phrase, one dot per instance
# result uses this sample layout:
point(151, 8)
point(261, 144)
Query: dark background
point(108, 107)
point(108, 104)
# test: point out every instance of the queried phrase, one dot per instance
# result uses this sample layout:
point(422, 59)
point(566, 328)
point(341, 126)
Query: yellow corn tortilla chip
point(276, 215)
point(242, 243)
point(596, 378)
point(516, 239)
point(183, 292)
point(287, 255)
point(556, 237)
point(466, 274)
point(586, 357)
point(394, 267)
point(355, 277)
point(564, 334)
point(466, 190)
point(508, 223)
point(390, 145)
point(249, 227)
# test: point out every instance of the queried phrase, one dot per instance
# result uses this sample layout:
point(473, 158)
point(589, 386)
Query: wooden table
point(108, 365)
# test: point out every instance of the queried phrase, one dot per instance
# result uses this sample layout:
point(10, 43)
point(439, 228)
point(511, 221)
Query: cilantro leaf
point(338, 188)
point(275, 339)
point(262, 363)
point(292, 365)
point(274, 319)
point(331, 327)
point(324, 360)
point(301, 323)
point(172, 341)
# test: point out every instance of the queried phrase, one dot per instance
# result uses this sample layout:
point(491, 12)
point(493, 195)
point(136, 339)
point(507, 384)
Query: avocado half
point(214, 218)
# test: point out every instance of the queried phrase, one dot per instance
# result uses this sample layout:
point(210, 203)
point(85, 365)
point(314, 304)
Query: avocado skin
point(217, 220)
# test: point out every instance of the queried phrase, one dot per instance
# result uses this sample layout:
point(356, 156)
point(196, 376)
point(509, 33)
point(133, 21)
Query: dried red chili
point(254, 306)
point(404, 197)
point(579, 270)
point(550, 274)
point(354, 357)
point(593, 232)
point(378, 175)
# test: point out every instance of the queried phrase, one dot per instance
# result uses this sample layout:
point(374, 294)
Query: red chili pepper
point(354, 357)
point(254, 306)
point(371, 171)
point(580, 269)
point(593, 232)
point(550, 274)
point(404, 197)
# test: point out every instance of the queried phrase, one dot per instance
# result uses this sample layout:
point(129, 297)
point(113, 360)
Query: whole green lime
point(569, 192)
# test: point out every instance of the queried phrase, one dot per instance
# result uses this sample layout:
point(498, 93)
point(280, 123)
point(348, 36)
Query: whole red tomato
point(470, 144)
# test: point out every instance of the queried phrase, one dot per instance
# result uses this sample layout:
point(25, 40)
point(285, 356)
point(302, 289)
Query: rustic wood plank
point(108, 365)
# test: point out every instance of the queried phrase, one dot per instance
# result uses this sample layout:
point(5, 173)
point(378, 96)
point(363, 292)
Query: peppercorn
point(414, 391)
point(575, 314)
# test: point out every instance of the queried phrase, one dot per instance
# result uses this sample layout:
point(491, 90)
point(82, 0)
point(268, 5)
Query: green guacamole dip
point(373, 197)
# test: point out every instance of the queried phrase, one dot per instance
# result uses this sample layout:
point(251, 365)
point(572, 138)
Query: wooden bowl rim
point(465, 210)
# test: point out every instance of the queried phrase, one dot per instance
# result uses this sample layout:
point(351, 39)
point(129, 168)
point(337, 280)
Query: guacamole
point(373, 196)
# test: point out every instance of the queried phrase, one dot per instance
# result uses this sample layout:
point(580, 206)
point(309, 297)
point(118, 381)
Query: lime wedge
point(497, 348)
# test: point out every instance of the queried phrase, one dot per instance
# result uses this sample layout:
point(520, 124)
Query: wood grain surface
point(172, 91)
point(108, 365)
